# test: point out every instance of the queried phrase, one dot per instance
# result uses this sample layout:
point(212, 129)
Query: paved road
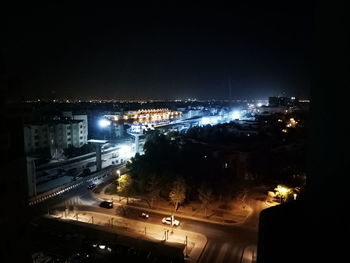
point(225, 243)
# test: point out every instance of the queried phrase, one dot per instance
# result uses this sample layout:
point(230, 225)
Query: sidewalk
point(142, 230)
point(233, 216)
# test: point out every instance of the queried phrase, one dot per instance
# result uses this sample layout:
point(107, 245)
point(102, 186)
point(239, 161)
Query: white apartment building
point(56, 135)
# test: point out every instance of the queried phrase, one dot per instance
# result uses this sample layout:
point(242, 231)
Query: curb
point(204, 247)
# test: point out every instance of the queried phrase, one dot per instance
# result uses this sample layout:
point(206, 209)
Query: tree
point(205, 195)
point(178, 192)
point(153, 189)
point(125, 186)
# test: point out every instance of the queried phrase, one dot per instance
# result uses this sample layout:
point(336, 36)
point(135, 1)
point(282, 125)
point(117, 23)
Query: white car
point(167, 220)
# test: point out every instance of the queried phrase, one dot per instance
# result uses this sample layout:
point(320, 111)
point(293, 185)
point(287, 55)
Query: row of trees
point(177, 193)
point(178, 171)
point(182, 167)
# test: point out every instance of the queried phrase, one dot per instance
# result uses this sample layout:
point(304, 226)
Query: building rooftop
point(98, 141)
point(52, 122)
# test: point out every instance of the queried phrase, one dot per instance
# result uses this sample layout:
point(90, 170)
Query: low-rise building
point(56, 134)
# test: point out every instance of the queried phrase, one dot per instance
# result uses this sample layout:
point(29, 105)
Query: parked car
point(167, 220)
point(106, 204)
point(144, 215)
point(86, 172)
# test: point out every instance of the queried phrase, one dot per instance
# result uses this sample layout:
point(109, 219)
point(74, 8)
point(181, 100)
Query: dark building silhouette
point(315, 228)
point(14, 217)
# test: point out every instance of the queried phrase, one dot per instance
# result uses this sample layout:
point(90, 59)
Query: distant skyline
point(144, 100)
point(243, 52)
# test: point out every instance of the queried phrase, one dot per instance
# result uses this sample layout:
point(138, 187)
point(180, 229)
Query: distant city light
point(104, 123)
point(259, 104)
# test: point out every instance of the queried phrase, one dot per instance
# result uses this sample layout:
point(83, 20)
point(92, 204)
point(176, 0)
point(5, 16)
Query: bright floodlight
point(104, 123)
point(125, 151)
point(259, 104)
point(205, 121)
point(236, 115)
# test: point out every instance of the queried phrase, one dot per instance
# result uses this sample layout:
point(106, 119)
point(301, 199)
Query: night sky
point(54, 52)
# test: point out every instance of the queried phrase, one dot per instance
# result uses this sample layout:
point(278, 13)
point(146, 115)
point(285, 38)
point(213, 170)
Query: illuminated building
point(147, 116)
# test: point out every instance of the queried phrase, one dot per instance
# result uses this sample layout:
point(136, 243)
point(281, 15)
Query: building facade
point(56, 135)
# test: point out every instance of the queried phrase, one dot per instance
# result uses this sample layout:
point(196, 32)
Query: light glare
point(104, 123)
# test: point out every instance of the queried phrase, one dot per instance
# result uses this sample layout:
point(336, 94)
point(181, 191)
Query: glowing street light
point(118, 172)
point(104, 123)
point(295, 196)
point(282, 191)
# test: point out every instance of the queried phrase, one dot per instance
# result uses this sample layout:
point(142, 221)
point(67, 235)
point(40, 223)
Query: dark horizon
point(117, 53)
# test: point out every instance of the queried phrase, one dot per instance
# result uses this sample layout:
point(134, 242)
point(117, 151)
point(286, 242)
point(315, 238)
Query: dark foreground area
point(57, 241)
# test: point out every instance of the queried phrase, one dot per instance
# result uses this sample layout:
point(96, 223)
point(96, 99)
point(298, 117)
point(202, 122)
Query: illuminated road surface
point(225, 243)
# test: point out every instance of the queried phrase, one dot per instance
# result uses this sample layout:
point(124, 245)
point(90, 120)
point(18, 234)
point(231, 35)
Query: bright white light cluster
point(236, 115)
point(104, 123)
point(212, 120)
point(125, 151)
